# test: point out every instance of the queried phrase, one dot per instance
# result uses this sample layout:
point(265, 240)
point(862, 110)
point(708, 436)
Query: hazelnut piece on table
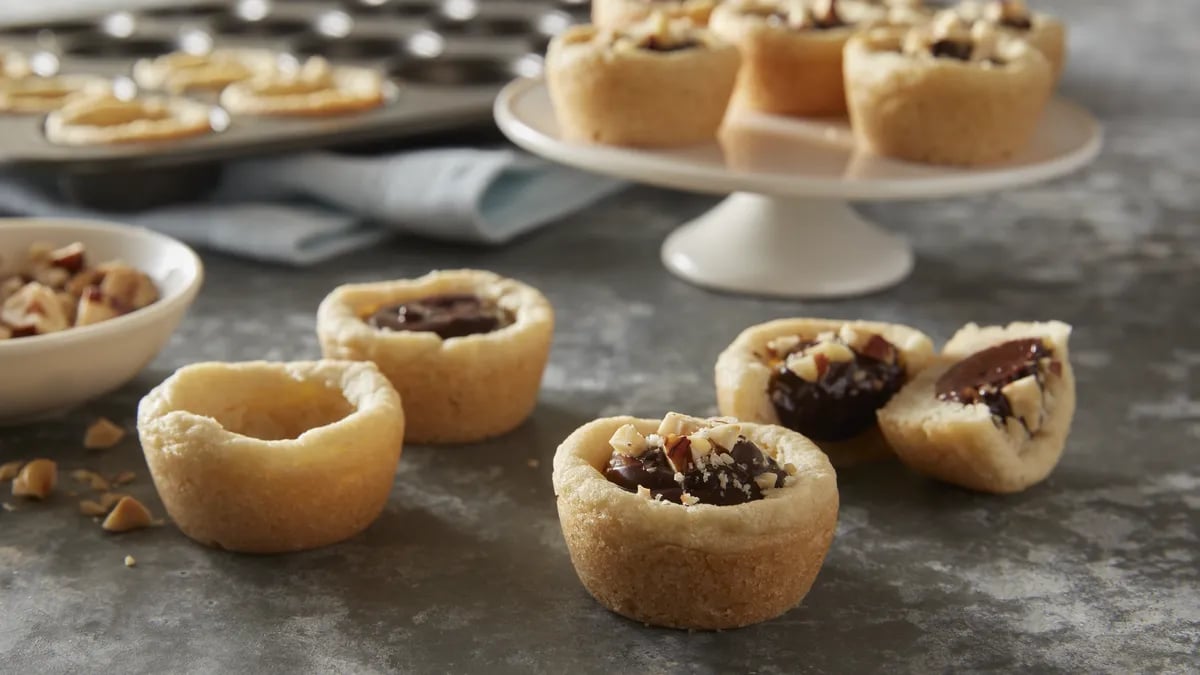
point(129, 514)
point(102, 434)
point(36, 479)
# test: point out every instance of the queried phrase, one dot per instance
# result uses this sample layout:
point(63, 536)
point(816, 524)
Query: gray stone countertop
point(1095, 570)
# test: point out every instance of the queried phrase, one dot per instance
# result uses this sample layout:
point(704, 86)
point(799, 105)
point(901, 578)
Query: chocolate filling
point(449, 315)
point(951, 49)
point(980, 377)
point(841, 404)
point(654, 45)
point(710, 482)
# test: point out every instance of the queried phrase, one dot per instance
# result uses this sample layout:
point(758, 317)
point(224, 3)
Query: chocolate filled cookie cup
point(945, 93)
point(756, 512)
point(993, 415)
point(658, 83)
point(791, 53)
point(465, 348)
point(821, 377)
point(264, 457)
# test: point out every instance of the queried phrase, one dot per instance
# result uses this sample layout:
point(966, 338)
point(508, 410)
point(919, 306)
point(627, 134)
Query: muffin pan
point(445, 61)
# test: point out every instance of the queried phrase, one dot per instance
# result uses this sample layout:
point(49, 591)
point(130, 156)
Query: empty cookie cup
point(262, 457)
point(465, 348)
point(696, 524)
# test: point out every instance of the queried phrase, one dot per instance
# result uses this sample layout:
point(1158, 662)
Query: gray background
point(1093, 570)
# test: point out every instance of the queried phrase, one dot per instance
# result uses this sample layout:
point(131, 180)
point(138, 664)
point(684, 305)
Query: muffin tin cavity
point(198, 10)
point(56, 28)
point(490, 25)
point(267, 26)
point(455, 71)
point(105, 46)
point(350, 47)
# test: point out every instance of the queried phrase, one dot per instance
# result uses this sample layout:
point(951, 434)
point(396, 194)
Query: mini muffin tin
point(445, 61)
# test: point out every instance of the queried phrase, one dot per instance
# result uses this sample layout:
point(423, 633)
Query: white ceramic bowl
point(44, 374)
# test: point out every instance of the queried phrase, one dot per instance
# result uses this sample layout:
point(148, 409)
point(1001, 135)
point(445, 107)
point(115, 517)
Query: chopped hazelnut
point(10, 286)
point(130, 561)
point(127, 287)
point(699, 446)
point(69, 257)
point(804, 366)
point(680, 425)
point(725, 435)
point(643, 491)
point(627, 441)
point(834, 351)
point(1025, 398)
point(689, 500)
point(88, 507)
point(37, 306)
point(124, 478)
point(7, 507)
point(91, 479)
point(9, 470)
point(36, 479)
point(110, 499)
point(533, 462)
point(102, 434)
point(765, 480)
point(679, 454)
point(783, 344)
point(93, 308)
point(128, 514)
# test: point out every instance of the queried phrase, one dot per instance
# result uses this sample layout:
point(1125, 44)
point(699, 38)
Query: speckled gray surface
point(1095, 570)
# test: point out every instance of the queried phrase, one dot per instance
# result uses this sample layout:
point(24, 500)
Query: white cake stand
point(786, 228)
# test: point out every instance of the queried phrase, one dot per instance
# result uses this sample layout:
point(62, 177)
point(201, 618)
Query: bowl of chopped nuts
point(84, 306)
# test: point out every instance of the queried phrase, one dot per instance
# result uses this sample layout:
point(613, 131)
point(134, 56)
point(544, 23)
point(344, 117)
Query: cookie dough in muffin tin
point(443, 62)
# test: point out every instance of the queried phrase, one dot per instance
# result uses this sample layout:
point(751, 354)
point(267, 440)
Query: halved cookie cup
point(455, 390)
point(743, 377)
point(701, 566)
point(965, 444)
point(264, 457)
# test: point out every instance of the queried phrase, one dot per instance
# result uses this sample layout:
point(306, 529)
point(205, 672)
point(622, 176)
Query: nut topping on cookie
point(1009, 13)
point(716, 464)
point(829, 387)
point(628, 441)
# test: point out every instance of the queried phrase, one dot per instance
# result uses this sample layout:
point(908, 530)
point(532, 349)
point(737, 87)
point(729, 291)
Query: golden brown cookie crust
point(784, 71)
point(457, 390)
point(30, 95)
point(959, 443)
point(635, 97)
point(621, 13)
point(703, 566)
point(272, 457)
point(179, 72)
point(314, 89)
point(939, 110)
point(104, 120)
point(742, 377)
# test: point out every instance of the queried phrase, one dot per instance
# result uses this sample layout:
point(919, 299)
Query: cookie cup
point(940, 110)
point(457, 390)
point(784, 71)
point(743, 377)
point(106, 120)
point(264, 457)
point(349, 90)
point(960, 444)
point(620, 13)
point(697, 567)
point(637, 97)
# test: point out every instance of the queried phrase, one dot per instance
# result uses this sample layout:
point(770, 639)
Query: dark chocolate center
point(980, 377)
point(450, 315)
point(710, 483)
point(951, 49)
point(841, 403)
point(653, 44)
